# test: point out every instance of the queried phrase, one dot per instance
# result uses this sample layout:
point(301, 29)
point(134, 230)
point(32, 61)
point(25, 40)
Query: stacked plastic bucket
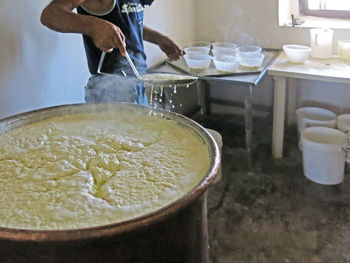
point(324, 140)
point(343, 124)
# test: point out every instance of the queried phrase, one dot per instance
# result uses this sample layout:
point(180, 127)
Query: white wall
point(252, 21)
point(174, 18)
point(256, 22)
point(38, 67)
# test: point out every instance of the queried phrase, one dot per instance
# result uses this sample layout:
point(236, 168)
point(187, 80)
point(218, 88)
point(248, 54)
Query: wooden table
point(330, 70)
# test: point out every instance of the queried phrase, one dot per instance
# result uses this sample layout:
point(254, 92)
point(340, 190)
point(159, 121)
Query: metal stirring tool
point(103, 55)
point(132, 65)
point(158, 79)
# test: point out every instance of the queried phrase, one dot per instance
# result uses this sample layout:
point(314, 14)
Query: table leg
point(202, 94)
point(279, 104)
point(248, 105)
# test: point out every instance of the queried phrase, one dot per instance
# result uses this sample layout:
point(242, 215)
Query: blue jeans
point(115, 88)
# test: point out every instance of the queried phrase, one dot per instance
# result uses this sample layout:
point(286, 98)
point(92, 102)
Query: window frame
point(305, 11)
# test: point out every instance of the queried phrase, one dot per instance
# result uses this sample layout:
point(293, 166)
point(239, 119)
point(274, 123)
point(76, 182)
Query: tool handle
point(101, 62)
point(132, 65)
point(103, 55)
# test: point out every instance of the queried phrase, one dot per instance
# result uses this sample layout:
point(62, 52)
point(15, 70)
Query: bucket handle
point(346, 149)
point(347, 133)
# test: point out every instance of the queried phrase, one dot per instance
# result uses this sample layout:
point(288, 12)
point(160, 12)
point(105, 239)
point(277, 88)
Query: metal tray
point(213, 72)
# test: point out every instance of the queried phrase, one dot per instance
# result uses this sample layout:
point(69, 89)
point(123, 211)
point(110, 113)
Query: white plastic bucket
point(323, 154)
point(313, 116)
point(343, 124)
point(218, 139)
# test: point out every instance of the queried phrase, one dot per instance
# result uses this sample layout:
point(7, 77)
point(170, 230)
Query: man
point(112, 26)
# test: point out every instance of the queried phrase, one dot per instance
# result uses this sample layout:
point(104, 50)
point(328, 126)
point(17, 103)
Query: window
point(325, 8)
point(320, 13)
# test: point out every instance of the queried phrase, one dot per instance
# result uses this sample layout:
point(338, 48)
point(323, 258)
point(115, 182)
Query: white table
point(330, 70)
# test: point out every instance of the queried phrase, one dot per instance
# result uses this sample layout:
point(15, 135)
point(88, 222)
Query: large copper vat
point(175, 233)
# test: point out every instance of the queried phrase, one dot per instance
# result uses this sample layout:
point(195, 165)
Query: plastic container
point(323, 155)
point(344, 49)
point(199, 44)
point(251, 48)
point(198, 61)
point(313, 116)
point(250, 59)
point(224, 46)
point(297, 53)
point(226, 63)
point(220, 52)
point(196, 50)
point(218, 139)
point(321, 43)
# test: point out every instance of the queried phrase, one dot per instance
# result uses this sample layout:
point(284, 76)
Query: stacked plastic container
point(250, 56)
point(227, 56)
point(197, 55)
point(324, 146)
point(225, 59)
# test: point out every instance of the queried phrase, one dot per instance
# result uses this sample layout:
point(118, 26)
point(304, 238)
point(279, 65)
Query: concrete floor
point(273, 213)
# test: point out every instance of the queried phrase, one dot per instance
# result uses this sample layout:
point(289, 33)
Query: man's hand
point(169, 48)
point(165, 43)
point(108, 36)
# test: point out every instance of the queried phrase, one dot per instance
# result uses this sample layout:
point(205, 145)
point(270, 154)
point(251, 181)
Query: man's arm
point(59, 16)
point(165, 43)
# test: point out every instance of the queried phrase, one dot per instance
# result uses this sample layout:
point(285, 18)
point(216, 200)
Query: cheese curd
point(92, 169)
point(165, 76)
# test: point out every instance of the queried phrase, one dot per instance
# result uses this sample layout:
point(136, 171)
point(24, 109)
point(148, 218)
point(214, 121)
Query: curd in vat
point(86, 170)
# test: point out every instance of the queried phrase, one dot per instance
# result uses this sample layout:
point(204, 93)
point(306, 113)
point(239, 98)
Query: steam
point(232, 27)
point(113, 88)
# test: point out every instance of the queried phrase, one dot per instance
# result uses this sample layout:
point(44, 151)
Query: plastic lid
point(314, 113)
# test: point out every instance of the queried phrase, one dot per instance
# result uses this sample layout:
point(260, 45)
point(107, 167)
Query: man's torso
point(128, 16)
